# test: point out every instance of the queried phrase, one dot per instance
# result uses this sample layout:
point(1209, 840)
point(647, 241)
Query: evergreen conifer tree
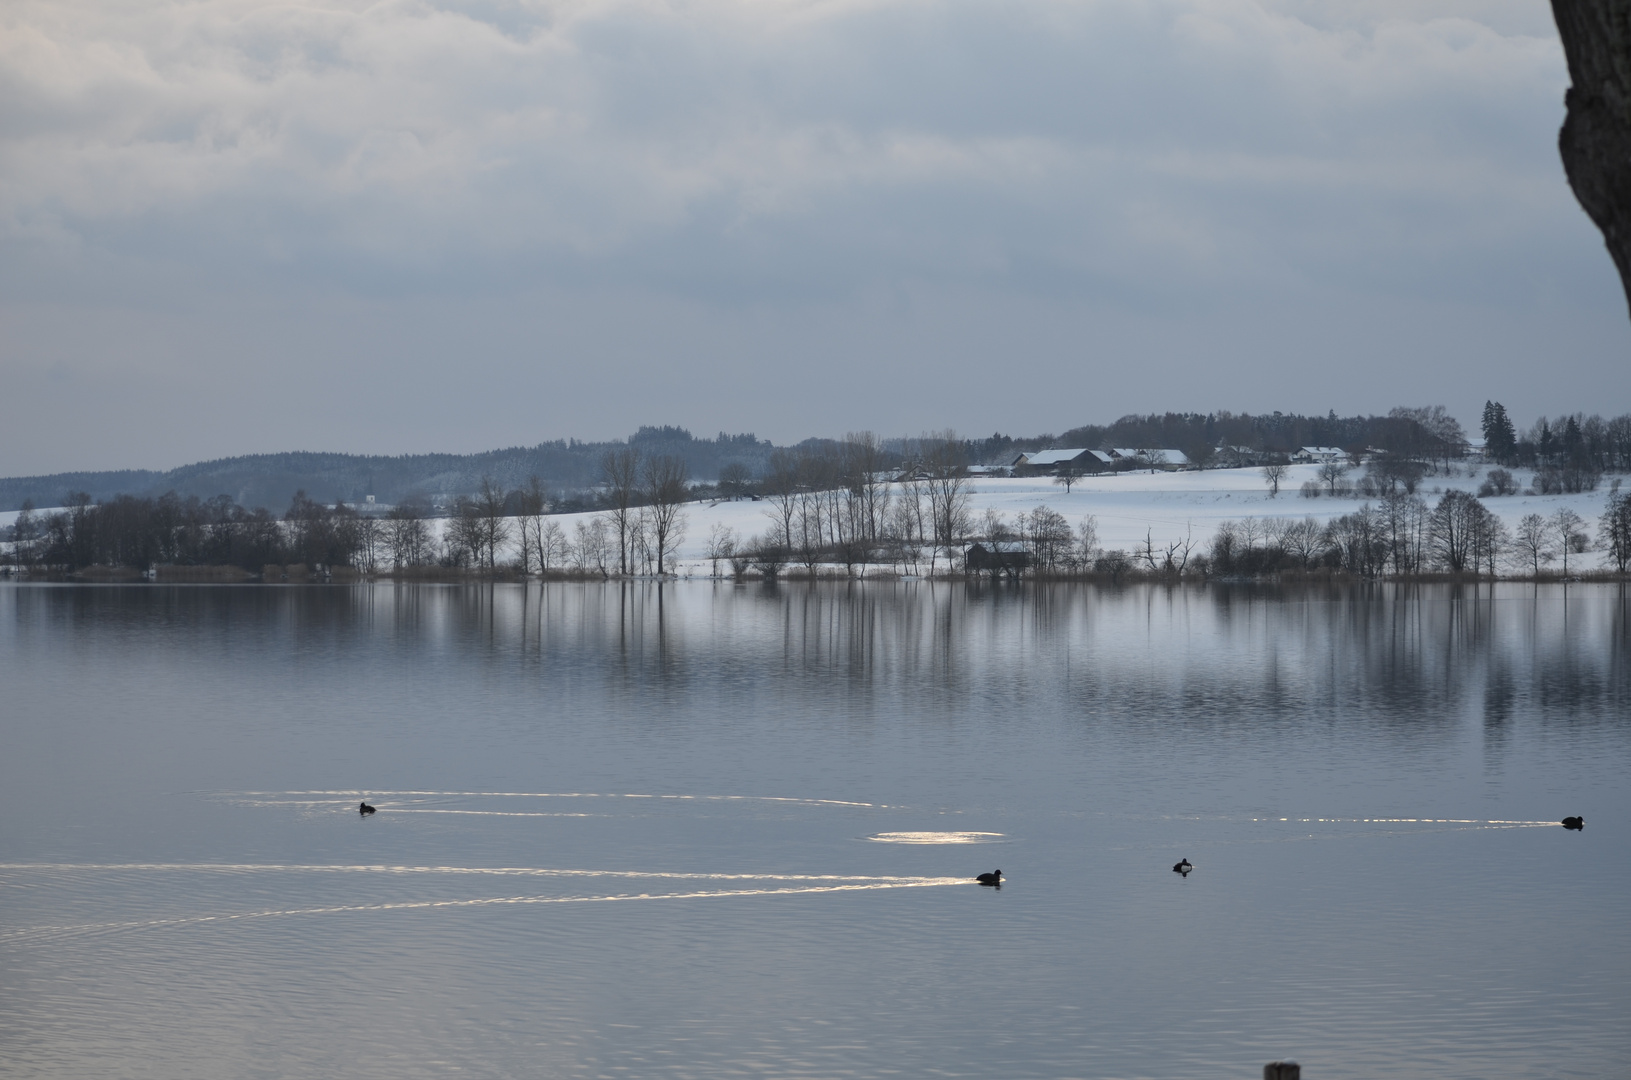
point(1500, 440)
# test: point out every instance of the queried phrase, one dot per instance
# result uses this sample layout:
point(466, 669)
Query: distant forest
point(564, 466)
point(571, 469)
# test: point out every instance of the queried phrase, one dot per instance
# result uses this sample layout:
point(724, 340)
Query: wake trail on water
point(358, 793)
point(48, 935)
point(1483, 823)
point(505, 871)
point(1378, 827)
point(349, 807)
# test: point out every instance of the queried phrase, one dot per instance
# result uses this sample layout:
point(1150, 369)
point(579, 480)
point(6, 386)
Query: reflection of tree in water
point(1500, 696)
point(1407, 661)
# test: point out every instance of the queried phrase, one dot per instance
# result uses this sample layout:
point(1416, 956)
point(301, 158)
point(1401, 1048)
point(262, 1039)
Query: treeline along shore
point(572, 469)
point(862, 506)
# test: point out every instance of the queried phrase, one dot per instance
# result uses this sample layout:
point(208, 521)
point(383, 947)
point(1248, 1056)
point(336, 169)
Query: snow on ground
point(1166, 504)
point(1126, 505)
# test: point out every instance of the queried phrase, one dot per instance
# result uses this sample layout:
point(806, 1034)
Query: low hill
point(270, 480)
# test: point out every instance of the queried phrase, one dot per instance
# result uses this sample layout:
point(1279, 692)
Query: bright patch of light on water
point(935, 837)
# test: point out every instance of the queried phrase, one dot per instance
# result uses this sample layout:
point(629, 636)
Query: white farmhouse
point(1154, 457)
point(1320, 454)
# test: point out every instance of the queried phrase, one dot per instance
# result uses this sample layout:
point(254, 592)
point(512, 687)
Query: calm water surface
point(718, 831)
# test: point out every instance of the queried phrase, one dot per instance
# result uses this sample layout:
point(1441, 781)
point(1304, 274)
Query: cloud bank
point(342, 224)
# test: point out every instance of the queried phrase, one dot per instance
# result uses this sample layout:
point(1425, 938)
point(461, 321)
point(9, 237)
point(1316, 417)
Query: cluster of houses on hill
point(1092, 461)
point(1081, 461)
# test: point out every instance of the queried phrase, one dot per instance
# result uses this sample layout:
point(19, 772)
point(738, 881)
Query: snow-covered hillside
point(1164, 504)
point(1126, 506)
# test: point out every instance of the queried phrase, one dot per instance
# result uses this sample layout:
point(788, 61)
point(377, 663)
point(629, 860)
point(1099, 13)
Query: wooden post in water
point(1282, 1070)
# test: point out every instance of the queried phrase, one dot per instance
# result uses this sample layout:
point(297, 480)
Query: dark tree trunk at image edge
point(1596, 138)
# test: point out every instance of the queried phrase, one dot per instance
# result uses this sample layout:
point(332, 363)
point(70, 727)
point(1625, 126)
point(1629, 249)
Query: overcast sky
point(230, 226)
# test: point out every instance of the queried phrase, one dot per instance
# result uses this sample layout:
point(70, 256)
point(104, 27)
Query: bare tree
point(1360, 538)
point(464, 540)
point(1273, 473)
point(807, 539)
point(781, 487)
point(531, 504)
point(372, 544)
point(407, 535)
point(494, 525)
point(1303, 540)
point(1087, 539)
point(1499, 482)
point(867, 486)
point(553, 546)
point(1067, 476)
point(1445, 437)
point(734, 479)
point(1491, 540)
point(591, 546)
point(1566, 526)
point(1405, 518)
point(741, 558)
point(1614, 528)
point(1331, 473)
point(1274, 533)
point(1251, 531)
point(1146, 553)
point(820, 504)
point(666, 489)
point(1048, 535)
point(866, 498)
point(640, 549)
point(1179, 550)
point(1457, 531)
point(620, 472)
point(949, 491)
point(906, 526)
point(1533, 542)
point(1226, 545)
point(721, 544)
point(769, 555)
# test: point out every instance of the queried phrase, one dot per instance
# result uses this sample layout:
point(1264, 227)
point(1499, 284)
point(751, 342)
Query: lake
point(711, 830)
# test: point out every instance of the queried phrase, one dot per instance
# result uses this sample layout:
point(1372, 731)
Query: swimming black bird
point(991, 879)
point(364, 809)
point(1182, 867)
point(1575, 823)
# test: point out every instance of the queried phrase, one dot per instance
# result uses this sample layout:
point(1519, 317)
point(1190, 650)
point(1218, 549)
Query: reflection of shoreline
point(1402, 657)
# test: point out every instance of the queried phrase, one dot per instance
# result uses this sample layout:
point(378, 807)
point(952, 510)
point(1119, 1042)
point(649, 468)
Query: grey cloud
point(712, 173)
point(410, 131)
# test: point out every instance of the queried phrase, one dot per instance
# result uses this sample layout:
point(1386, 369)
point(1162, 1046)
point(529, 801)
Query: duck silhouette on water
point(1575, 823)
point(364, 809)
point(1182, 867)
point(991, 879)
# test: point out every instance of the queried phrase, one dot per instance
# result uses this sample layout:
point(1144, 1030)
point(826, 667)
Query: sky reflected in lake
point(701, 830)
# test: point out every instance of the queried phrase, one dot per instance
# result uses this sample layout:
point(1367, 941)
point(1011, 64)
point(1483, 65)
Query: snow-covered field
point(1166, 504)
point(1125, 506)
